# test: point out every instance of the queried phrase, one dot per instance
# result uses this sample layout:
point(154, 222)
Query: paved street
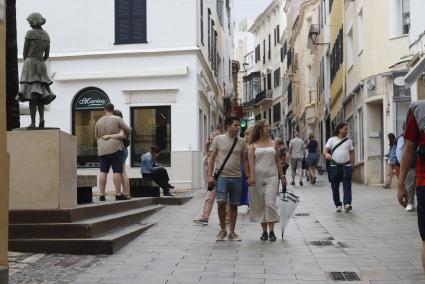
point(378, 240)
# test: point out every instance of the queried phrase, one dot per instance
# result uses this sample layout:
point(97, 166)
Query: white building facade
point(263, 90)
point(166, 64)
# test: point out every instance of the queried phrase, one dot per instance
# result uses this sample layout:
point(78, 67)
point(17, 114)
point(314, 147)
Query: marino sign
point(91, 99)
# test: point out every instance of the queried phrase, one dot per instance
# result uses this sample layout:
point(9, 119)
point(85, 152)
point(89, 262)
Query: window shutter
point(139, 20)
point(122, 21)
point(130, 26)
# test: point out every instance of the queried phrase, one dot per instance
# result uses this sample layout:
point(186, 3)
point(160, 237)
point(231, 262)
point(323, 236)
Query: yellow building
point(336, 60)
point(4, 159)
point(374, 102)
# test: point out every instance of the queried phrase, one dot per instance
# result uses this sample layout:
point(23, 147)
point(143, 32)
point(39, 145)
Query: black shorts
point(114, 160)
point(420, 195)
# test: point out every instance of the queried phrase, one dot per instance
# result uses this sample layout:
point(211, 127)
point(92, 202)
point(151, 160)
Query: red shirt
point(413, 134)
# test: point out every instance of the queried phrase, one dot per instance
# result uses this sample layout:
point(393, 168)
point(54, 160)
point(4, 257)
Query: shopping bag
point(287, 204)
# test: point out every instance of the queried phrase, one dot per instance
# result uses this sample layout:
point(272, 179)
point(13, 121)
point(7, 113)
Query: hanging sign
point(91, 99)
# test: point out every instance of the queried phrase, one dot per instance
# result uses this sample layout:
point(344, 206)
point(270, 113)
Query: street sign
point(243, 123)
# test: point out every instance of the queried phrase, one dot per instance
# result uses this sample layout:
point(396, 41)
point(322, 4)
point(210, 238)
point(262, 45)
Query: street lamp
point(313, 34)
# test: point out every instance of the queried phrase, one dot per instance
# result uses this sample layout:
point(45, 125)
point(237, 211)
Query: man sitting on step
point(157, 174)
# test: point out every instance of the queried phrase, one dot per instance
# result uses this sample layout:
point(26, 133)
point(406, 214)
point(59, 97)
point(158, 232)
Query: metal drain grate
point(344, 276)
point(302, 214)
point(321, 243)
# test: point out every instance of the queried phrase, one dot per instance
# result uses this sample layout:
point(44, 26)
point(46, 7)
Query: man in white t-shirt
point(339, 150)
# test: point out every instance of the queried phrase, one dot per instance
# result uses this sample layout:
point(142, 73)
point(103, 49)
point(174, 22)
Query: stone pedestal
point(43, 169)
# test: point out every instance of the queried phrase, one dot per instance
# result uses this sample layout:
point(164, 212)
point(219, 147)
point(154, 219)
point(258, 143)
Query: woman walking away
point(265, 168)
point(392, 164)
point(245, 186)
point(283, 155)
point(312, 157)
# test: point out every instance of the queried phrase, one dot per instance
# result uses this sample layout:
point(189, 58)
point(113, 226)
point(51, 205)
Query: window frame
point(132, 144)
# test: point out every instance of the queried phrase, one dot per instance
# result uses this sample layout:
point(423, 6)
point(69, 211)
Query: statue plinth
point(43, 169)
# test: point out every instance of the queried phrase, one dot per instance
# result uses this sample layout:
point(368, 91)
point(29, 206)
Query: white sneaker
point(221, 235)
point(410, 207)
point(348, 207)
point(339, 209)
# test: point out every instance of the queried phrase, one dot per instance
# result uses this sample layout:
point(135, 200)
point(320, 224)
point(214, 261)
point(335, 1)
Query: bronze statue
point(35, 83)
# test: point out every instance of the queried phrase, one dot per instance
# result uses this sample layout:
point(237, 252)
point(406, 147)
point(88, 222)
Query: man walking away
point(415, 142)
point(296, 151)
point(227, 153)
point(410, 181)
point(339, 150)
point(157, 174)
point(110, 151)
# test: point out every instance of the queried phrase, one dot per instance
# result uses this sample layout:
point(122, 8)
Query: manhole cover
point(302, 214)
point(321, 243)
point(344, 276)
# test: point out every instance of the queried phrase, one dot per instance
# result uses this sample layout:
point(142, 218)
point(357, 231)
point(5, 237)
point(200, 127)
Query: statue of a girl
point(35, 83)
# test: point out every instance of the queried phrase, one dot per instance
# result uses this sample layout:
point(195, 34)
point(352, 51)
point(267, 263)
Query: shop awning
point(415, 73)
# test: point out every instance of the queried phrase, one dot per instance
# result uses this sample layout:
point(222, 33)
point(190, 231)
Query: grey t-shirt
point(222, 145)
point(296, 146)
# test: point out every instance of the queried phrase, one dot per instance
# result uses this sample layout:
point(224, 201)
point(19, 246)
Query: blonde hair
point(279, 141)
point(257, 130)
point(311, 135)
point(248, 134)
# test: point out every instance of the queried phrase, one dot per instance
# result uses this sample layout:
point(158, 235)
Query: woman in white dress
point(265, 173)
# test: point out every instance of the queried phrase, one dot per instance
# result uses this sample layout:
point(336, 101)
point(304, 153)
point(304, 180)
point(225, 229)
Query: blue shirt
point(399, 147)
point(148, 163)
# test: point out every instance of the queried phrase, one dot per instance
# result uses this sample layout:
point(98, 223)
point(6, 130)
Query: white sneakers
point(410, 207)
point(347, 208)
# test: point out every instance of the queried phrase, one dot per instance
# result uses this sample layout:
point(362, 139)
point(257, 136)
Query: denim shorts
point(229, 189)
point(124, 155)
point(113, 160)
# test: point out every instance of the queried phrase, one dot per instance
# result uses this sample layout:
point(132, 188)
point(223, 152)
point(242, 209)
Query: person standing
point(296, 152)
point(410, 182)
point(392, 161)
point(158, 174)
point(283, 155)
point(126, 142)
point(312, 157)
point(110, 150)
point(211, 194)
point(339, 150)
point(265, 170)
point(227, 153)
point(414, 142)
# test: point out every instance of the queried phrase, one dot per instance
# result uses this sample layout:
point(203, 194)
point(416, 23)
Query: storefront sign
point(91, 99)
point(401, 93)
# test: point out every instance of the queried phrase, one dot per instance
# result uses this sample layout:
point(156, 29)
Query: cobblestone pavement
point(378, 240)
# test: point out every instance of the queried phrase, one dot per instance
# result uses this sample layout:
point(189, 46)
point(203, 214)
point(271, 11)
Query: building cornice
point(259, 20)
point(300, 21)
point(114, 53)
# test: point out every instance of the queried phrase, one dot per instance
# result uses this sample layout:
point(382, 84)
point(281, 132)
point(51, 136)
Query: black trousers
point(160, 176)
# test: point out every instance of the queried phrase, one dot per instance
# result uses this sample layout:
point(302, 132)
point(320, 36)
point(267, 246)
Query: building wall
point(365, 37)
point(173, 68)
point(4, 161)
point(337, 18)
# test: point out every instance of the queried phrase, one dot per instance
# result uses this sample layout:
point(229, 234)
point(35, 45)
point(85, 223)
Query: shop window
point(87, 108)
point(151, 126)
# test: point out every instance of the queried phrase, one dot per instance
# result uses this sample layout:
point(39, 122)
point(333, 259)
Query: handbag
point(218, 172)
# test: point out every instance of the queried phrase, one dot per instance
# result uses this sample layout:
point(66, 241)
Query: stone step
point(82, 212)
point(107, 244)
point(88, 228)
